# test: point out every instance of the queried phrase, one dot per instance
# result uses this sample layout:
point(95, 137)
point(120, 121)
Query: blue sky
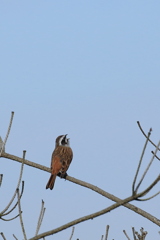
point(89, 69)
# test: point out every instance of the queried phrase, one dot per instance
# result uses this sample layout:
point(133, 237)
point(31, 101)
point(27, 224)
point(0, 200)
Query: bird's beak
point(65, 137)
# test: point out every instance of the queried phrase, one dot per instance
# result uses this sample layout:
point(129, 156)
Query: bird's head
point(62, 140)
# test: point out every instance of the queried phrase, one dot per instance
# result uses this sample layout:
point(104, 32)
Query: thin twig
point(133, 230)
point(140, 161)
point(20, 215)
point(8, 131)
point(126, 235)
point(106, 234)
point(142, 235)
point(1, 178)
point(72, 233)
point(149, 187)
point(145, 134)
point(138, 185)
point(146, 199)
point(10, 218)
point(6, 213)
point(2, 148)
point(40, 218)
point(3, 236)
point(15, 237)
point(155, 155)
point(19, 181)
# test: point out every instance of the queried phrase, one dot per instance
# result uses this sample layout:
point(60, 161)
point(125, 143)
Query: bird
point(60, 160)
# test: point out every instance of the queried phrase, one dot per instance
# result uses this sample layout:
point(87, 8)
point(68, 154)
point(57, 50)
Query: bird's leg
point(62, 175)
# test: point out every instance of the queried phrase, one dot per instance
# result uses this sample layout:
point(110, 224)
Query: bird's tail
point(51, 181)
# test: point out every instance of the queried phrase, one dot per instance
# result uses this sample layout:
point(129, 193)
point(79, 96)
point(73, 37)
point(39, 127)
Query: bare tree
point(136, 194)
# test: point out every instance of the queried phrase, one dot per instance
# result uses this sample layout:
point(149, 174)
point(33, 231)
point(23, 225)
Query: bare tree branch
point(102, 237)
point(96, 214)
point(10, 218)
point(29, 163)
point(72, 233)
point(40, 219)
point(133, 231)
point(155, 155)
point(149, 187)
point(15, 237)
point(20, 215)
point(148, 166)
point(145, 134)
point(19, 181)
point(3, 236)
point(126, 235)
point(140, 161)
point(8, 131)
point(106, 234)
point(87, 185)
point(6, 213)
point(1, 178)
point(142, 235)
point(146, 199)
point(2, 148)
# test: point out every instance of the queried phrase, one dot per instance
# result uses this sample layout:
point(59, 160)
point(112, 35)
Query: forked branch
point(135, 189)
point(96, 214)
point(4, 212)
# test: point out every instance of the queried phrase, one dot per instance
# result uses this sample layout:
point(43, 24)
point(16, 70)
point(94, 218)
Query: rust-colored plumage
point(61, 159)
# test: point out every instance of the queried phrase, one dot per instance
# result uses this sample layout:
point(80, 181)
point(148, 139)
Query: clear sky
point(90, 69)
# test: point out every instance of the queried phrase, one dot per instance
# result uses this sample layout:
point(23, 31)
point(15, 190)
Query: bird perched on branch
point(61, 159)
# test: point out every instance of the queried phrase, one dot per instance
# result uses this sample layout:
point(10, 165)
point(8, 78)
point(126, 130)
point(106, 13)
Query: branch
point(145, 134)
point(133, 231)
point(40, 219)
point(146, 199)
point(29, 163)
point(139, 165)
point(16, 202)
point(10, 218)
point(8, 131)
point(20, 215)
point(148, 166)
point(15, 237)
point(155, 155)
point(126, 235)
point(106, 234)
point(72, 233)
point(1, 178)
point(3, 236)
point(96, 214)
point(149, 188)
point(142, 235)
point(87, 185)
point(19, 181)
